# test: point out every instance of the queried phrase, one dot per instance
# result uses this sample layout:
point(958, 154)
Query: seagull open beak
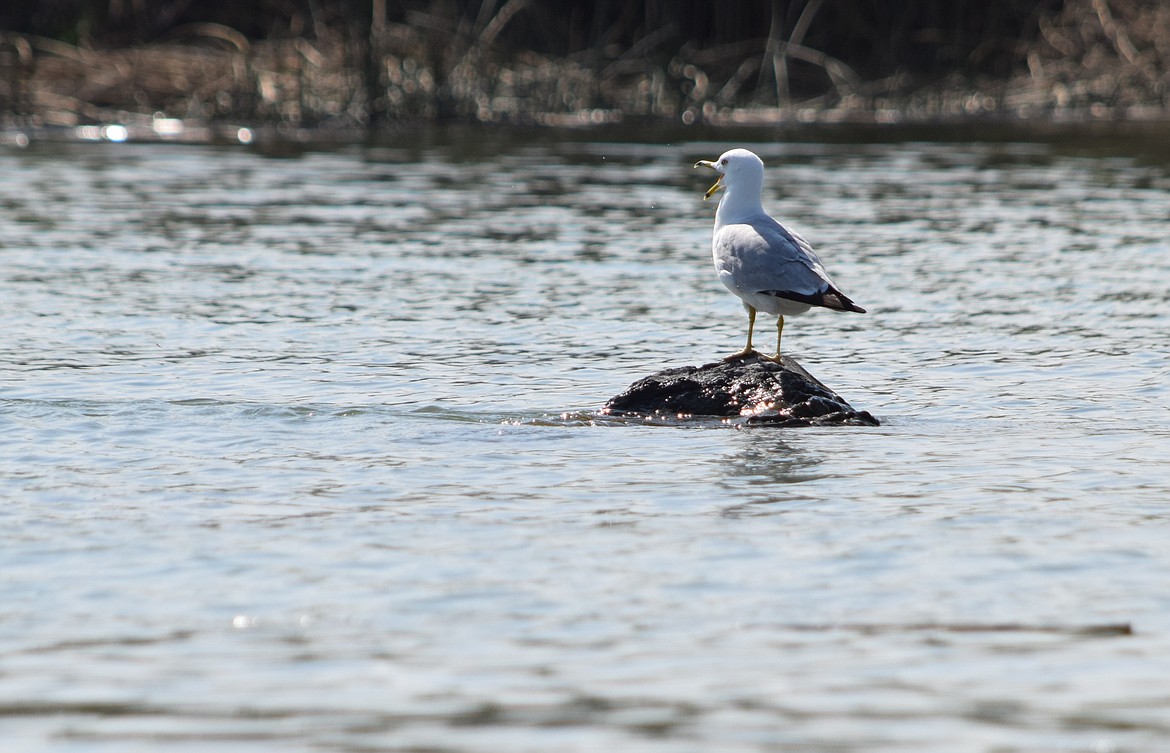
point(718, 181)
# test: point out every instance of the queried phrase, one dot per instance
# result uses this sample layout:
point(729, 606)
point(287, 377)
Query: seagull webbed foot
point(745, 353)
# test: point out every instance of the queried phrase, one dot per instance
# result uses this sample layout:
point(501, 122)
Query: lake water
point(300, 452)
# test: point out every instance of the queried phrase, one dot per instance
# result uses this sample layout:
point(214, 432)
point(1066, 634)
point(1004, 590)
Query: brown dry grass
point(1098, 58)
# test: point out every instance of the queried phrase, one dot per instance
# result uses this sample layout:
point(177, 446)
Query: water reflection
point(766, 471)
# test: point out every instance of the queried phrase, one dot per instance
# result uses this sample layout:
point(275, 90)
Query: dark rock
point(752, 388)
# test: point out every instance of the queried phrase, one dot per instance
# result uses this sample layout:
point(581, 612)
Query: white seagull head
point(739, 170)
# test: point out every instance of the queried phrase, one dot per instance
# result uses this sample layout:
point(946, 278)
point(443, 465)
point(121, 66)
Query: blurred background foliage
point(875, 37)
point(362, 61)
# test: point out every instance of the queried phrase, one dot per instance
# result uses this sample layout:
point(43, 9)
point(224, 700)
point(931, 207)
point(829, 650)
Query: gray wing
point(765, 258)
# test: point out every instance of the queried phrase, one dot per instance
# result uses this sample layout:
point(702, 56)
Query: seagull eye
point(723, 161)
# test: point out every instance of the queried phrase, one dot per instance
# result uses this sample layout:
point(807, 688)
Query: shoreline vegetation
point(194, 71)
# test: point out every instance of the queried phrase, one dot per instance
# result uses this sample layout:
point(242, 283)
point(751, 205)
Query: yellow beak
point(718, 181)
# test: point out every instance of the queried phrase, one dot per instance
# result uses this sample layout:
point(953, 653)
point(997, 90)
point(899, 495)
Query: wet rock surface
point(759, 391)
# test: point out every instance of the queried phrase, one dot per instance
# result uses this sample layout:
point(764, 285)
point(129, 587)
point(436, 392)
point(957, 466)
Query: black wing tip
point(829, 298)
point(844, 303)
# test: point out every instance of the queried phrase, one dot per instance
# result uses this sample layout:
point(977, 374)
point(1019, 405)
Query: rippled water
point(299, 453)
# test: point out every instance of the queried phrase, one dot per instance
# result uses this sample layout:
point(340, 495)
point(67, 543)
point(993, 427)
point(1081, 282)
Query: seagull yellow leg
point(747, 349)
point(779, 332)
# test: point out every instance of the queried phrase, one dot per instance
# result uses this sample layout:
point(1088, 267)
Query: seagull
point(770, 268)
